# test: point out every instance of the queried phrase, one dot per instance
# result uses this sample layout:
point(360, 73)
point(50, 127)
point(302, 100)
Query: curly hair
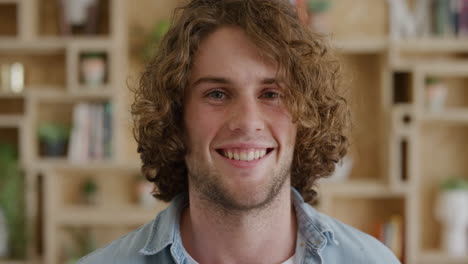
point(305, 62)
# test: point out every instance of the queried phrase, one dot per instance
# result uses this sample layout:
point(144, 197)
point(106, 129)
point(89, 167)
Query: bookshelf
point(53, 84)
point(402, 149)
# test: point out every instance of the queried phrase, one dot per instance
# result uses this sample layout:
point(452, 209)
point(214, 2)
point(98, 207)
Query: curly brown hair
point(305, 63)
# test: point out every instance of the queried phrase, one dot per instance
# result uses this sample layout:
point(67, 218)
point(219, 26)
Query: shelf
point(51, 44)
point(63, 96)
point(15, 261)
point(64, 164)
point(425, 45)
point(360, 189)
point(449, 115)
point(11, 95)
point(437, 257)
point(11, 120)
point(361, 45)
point(126, 215)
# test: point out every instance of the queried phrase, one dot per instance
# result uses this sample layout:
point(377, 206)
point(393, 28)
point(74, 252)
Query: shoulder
point(351, 245)
point(123, 250)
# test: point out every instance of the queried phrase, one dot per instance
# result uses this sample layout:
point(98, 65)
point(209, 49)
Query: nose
point(246, 116)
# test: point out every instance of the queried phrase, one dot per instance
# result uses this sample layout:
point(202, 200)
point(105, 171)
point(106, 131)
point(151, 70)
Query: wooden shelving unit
point(401, 150)
point(29, 34)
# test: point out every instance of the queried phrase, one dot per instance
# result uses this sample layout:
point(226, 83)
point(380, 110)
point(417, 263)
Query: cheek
point(201, 124)
point(283, 127)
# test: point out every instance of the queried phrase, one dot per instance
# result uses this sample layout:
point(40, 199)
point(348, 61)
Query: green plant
point(155, 36)
point(318, 6)
point(53, 132)
point(454, 183)
point(89, 187)
point(12, 200)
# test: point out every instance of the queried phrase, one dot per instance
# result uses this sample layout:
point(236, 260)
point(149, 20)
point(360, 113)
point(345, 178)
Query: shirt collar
point(316, 232)
point(165, 229)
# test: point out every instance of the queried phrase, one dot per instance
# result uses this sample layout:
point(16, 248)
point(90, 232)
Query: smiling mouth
point(244, 154)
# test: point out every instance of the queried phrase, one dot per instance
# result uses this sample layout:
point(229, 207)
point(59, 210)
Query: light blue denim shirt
point(321, 240)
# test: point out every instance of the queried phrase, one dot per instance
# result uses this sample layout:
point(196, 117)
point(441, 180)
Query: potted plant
point(11, 205)
point(452, 211)
point(93, 68)
point(53, 138)
point(89, 191)
point(436, 94)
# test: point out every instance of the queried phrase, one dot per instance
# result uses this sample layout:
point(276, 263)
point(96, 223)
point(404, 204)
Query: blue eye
point(218, 95)
point(270, 95)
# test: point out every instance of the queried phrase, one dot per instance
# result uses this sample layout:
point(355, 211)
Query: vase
point(452, 211)
point(436, 94)
point(93, 70)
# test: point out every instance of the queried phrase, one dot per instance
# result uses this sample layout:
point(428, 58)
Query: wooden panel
point(9, 136)
point(11, 106)
point(457, 95)
point(111, 192)
point(443, 154)
point(39, 70)
point(365, 213)
point(362, 84)
point(358, 18)
point(8, 20)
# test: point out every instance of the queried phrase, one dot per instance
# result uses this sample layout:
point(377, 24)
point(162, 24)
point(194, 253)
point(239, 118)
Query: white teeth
point(251, 156)
point(244, 155)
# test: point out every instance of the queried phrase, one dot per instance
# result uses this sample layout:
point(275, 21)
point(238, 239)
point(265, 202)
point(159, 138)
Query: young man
point(236, 118)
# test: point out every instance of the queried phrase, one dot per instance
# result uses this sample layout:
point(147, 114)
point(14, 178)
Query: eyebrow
point(221, 80)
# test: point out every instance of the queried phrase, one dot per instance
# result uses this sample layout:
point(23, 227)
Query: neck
point(267, 235)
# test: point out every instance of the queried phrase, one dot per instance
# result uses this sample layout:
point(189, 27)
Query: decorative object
point(78, 16)
point(12, 77)
point(93, 68)
point(3, 235)
point(144, 190)
point(12, 203)
point(318, 13)
point(89, 192)
point(436, 94)
point(53, 138)
point(17, 77)
point(406, 24)
point(452, 212)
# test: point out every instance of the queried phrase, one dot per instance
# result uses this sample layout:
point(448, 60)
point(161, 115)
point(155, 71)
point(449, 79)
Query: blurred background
point(69, 171)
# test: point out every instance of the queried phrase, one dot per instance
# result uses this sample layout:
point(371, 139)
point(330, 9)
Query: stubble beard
point(206, 181)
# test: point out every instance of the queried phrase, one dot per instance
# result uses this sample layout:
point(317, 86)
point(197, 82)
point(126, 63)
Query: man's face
point(239, 135)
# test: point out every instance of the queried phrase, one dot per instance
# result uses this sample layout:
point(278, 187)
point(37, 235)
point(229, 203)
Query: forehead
point(229, 53)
